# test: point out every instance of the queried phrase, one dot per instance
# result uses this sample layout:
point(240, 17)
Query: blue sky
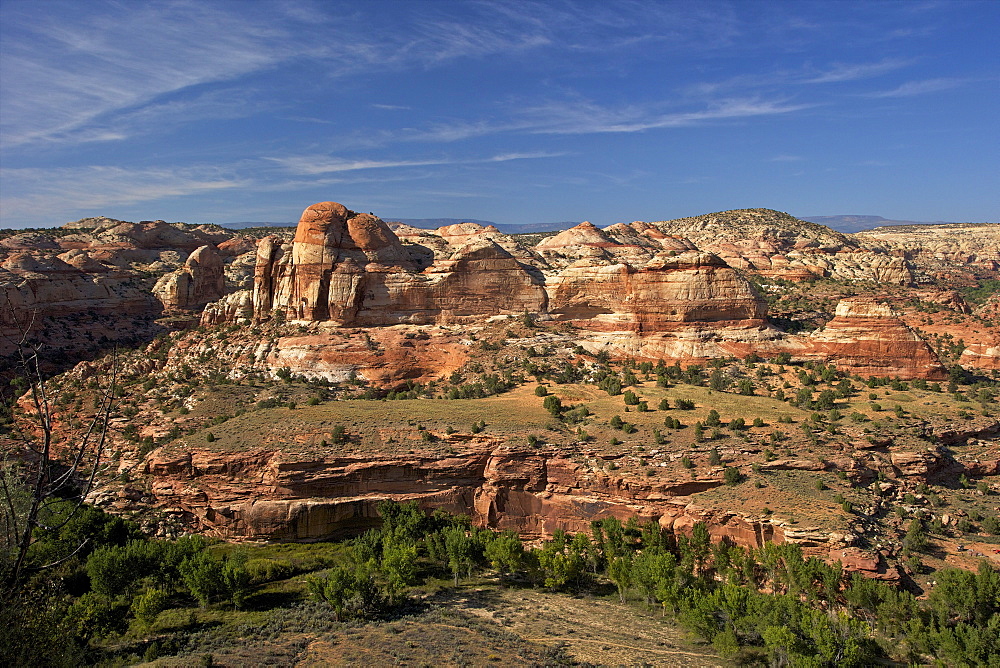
point(516, 112)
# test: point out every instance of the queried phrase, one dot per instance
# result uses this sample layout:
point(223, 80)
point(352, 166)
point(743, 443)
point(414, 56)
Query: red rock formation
point(351, 269)
point(268, 495)
point(201, 280)
point(669, 290)
point(867, 337)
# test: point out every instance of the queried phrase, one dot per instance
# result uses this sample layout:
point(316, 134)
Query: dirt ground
point(591, 630)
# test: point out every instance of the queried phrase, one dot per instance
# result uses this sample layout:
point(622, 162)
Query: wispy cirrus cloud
point(805, 75)
point(65, 73)
point(856, 71)
point(93, 71)
point(323, 164)
point(593, 119)
point(580, 117)
point(97, 187)
point(911, 88)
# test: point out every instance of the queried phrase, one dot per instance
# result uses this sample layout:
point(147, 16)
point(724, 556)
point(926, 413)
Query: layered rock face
point(867, 337)
point(944, 251)
point(985, 352)
point(92, 281)
point(69, 301)
point(533, 493)
point(201, 280)
point(665, 292)
point(351, 269)
point(774, 244)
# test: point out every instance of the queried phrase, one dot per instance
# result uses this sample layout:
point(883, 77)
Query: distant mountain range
point(858, 223)
point(434, 223)
point(244, 225)
point(845, 223)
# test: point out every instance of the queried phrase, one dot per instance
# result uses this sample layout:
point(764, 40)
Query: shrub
point(149, 604)
point(732, 476)
point(266, 570)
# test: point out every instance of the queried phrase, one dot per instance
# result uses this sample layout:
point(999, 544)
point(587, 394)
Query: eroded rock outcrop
point(533, 493)
point(772, 243)
point(866, 337)
point(351, 270)
point(92, 282)
point(201, 280)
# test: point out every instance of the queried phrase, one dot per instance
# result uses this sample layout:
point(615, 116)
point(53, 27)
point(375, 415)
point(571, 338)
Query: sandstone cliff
point(350, 269)
point(866, 337)
point(100, 280)
point(201, 280)
point(267, 495)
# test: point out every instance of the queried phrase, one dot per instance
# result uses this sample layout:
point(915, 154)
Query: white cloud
point(857, 71)
point(591, 119)
point(95, 71)
point(64, 74)
point(323, 164)
point(52, 194)
point(911, 88)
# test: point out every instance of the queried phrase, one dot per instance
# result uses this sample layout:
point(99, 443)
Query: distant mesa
point(529, 228)
point(860, 223)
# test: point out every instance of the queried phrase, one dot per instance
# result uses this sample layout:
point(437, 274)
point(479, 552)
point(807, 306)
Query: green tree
point(620, 572)
point(460, 551)
point(714, 458)
point(203, 576)
point(147, 605)
point(553, 405)
point(505, 553)
point(916, 537)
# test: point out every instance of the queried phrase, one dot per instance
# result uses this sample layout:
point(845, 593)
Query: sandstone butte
point(633, 291)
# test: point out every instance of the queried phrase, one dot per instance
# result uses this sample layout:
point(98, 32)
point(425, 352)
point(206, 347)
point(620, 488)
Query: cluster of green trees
point(770, 604)
point(90, 575)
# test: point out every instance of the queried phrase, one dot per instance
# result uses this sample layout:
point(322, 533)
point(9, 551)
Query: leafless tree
point(36, 473)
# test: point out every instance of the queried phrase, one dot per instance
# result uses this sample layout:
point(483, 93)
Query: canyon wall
point(266, 495)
